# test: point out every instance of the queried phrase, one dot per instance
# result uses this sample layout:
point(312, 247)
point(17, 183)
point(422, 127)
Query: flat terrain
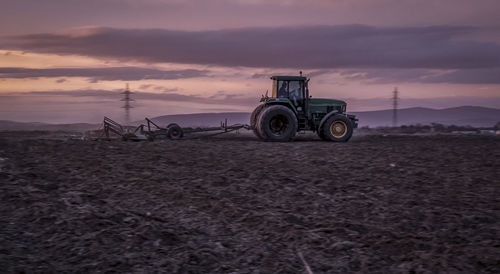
point(232, 204)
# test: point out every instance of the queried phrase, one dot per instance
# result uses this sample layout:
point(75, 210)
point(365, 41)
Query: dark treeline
point(432, 128)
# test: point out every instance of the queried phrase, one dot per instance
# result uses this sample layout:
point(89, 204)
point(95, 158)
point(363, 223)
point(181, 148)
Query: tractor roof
point(289, 78)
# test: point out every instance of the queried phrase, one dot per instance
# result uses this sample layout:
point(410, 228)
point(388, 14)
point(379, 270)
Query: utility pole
point(127, 105)
point(395, 108)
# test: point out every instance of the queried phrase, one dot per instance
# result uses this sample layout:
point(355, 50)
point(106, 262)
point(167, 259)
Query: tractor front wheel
point(277, 124)
point(337, 128)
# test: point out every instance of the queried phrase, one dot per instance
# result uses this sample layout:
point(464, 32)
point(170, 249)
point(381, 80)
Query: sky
point(65, 61)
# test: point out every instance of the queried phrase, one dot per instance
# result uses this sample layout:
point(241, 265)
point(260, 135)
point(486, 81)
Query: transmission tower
point(127, 105)
point(395, 107)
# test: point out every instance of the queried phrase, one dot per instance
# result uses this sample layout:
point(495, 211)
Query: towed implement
point(290, 109)
point(152, 131)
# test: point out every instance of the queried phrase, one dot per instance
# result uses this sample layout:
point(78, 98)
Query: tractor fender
point(328, 115)
point(283, 103)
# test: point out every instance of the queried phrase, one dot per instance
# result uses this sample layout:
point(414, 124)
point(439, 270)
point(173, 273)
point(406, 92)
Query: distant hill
point(460, 116)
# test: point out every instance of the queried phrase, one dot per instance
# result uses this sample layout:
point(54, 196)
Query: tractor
point(290, 109)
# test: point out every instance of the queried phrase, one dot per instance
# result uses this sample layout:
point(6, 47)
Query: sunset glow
point(221, 60)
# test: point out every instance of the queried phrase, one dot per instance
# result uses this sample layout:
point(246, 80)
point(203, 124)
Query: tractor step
point(302, 123)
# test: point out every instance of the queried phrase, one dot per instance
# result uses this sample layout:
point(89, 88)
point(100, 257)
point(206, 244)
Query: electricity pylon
point(127, 105)
point(395, 108)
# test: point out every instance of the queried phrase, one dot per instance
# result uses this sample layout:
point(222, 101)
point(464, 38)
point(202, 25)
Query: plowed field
point(233, 204)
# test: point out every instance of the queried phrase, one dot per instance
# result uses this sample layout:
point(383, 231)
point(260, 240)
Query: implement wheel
point(174, 131)
point(337, 128)
point(253, 119)
point(277, 124)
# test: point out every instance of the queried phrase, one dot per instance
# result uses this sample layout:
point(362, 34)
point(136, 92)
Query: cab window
point(282, 89)
point(296, 92)
point(295, 89)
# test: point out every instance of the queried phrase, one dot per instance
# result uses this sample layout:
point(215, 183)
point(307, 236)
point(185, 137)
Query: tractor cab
point(293, 88)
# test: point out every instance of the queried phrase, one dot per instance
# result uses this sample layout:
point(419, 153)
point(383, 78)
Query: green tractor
point(290, 109)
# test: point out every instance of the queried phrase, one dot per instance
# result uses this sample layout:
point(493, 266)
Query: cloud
point(158, 88)
point(100, 74)
point(259, 76)
point(313, 47)
point(461, 76)
point(25, 16)
point(221, 97)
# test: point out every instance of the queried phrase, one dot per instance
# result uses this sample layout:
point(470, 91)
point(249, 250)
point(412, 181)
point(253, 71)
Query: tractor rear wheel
point(253, 119)
point(277, 123)
point(337, 128)
point(174, 131)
